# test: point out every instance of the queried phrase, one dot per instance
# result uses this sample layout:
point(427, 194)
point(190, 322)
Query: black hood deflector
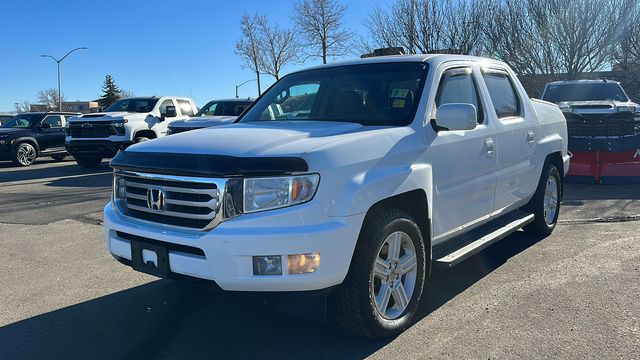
point(207, 165)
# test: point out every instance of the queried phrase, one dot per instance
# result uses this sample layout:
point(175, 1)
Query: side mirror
point(45, 126)
point(457, 117)
point(169, 112)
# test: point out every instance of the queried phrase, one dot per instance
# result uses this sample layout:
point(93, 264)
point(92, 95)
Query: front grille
point(192, 203)
point(592, 107)
point(94, 129)
point(601, 125)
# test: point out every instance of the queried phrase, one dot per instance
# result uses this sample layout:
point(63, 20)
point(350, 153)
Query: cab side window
point(164, 104)
point(457, 86)
point(54, 121)
point(503, 94)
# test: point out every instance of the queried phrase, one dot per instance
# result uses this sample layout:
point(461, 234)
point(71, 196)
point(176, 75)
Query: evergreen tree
point(110, 92)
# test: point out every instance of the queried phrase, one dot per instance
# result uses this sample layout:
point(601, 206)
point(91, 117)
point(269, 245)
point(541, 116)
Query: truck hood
point(203, 121)
point(600, 106)
point(110, 116)
point(255, 139)
point(14, 131)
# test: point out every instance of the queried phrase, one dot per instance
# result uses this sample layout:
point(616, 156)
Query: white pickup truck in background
point(370, 173)
point(92, 137)
point(214, 113)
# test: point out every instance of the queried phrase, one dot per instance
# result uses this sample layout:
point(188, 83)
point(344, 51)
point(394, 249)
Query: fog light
point(303, 263)
point(267, 265)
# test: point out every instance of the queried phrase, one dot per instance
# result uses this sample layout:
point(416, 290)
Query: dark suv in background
point(28, 136)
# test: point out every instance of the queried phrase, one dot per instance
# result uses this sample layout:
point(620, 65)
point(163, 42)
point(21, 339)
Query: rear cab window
point(503, 94)
point(185, 107)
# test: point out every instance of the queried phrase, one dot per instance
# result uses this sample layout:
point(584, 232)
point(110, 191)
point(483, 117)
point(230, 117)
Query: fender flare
point(22, 139)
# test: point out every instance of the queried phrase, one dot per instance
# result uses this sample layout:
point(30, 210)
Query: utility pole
point(238, 86)
point(58, 62)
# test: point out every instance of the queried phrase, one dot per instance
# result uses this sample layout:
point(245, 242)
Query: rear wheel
point(382, 291)
point(545, 204)
point(24, 154)
point(88, 162)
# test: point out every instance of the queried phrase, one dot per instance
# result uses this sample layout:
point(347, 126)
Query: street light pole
point(238, 86)
point(58, 62)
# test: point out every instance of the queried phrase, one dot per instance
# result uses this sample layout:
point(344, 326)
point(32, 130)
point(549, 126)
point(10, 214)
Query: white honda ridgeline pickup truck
point(379, 170)
point(92, 137)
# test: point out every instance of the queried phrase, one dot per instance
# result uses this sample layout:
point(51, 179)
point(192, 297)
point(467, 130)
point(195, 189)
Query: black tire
point(541, 225)
point(141, 139)
point(24, 154)
point(353, 304)
point(89, 162)
point(59, 157)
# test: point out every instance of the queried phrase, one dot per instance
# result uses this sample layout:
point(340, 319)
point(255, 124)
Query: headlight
point(278, 192)
point(626, 108)
point(564, 107)
point(119, 195)
point(120, 124)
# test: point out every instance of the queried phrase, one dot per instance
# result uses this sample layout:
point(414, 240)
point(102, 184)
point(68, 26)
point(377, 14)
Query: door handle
point(490, 147)
point(531, 136)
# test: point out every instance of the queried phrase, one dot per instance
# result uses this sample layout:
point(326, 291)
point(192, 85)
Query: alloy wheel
point(393, 279)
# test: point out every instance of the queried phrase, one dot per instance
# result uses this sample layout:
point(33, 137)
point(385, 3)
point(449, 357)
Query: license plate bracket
point(161, 266)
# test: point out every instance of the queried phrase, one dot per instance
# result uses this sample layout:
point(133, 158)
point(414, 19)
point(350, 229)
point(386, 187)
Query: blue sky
point(183, 48)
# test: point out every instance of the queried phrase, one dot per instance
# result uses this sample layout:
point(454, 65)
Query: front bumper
point(224, 254)
point(98, 148)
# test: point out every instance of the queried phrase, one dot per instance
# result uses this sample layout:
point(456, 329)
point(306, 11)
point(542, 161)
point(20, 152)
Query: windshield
point(370, 94)
point(133, 105)
point(223, 108)
point(25, 121)
point(584, 92)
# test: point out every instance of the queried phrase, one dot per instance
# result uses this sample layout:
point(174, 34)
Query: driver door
point(51, 133)
point(464, 161)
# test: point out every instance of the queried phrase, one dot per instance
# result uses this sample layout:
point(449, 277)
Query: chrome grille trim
point(210, 209)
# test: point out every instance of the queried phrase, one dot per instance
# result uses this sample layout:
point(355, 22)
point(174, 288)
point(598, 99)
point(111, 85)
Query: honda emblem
point(155, 199)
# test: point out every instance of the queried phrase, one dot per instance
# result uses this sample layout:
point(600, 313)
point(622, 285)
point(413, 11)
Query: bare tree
point(426, 26)
point(22, 107)
point(125, 93)
point(49, 98)
point(321, 24)
point(279, 47)
point(249, 47)
point(554, 36)
point(627, 52)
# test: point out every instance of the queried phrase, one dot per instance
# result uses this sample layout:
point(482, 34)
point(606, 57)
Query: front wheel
point(545, 204)
point(24, 154)
point(88, 162)
point(382, 290)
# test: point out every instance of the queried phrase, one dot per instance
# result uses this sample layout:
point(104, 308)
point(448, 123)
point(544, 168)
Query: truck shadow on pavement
point(168, 319)
point(69, 174)
point(581, 192)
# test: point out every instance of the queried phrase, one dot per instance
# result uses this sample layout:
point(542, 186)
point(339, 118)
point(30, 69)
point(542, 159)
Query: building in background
point(70, 106)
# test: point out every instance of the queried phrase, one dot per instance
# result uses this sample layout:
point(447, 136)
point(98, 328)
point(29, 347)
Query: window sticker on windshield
point(397, 104)
point(399, 93)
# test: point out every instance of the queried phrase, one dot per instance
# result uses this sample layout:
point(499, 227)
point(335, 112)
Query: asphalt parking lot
point(574, 294)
